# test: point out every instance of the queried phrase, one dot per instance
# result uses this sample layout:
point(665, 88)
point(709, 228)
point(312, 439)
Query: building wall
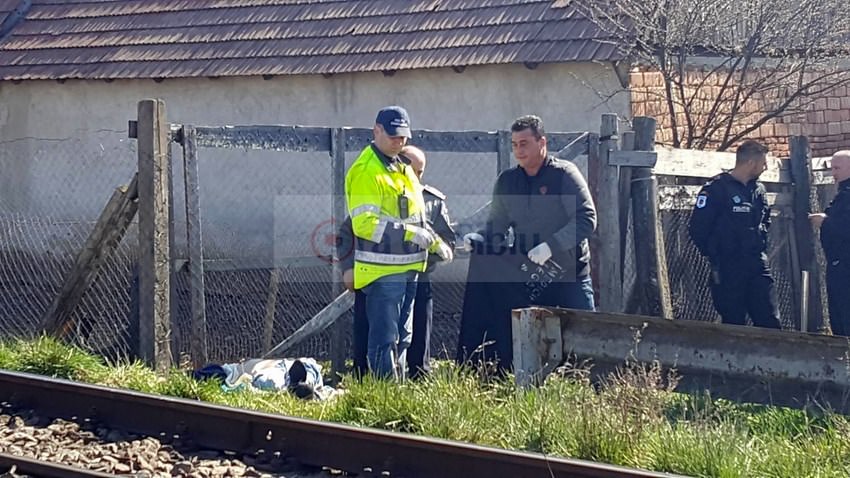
point(65, 147)
point(826, 122)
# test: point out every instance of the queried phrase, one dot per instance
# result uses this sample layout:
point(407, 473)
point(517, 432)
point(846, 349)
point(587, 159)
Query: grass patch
point(633, 419)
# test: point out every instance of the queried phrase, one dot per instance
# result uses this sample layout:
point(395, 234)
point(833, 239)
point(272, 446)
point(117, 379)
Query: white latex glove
point(540, 254)
point(469, 238)
point(445, 252)
point(419, 235)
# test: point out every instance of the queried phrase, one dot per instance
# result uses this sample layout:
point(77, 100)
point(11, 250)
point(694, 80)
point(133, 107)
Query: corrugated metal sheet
point(111, 39)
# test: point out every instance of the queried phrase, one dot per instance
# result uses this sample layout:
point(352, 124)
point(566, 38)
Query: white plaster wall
point(63, 147)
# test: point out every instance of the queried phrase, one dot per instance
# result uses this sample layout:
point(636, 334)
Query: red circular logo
point(325, 240)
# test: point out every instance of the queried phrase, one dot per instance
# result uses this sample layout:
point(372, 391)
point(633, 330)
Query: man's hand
point(348, 279)
point(540, 254)
point(469, 238)
point(445, 252)
point(817, 219)
point(419, 235)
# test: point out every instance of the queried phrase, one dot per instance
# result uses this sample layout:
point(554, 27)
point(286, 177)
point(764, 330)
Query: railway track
point(357, 451)
point(21, 466)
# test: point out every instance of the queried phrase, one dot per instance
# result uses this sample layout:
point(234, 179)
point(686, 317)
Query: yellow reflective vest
point(377, 191)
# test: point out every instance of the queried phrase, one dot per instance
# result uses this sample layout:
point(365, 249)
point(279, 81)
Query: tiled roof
point(110, 39)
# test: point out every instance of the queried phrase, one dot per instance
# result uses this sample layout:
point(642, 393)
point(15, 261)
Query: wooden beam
point(667, 161)
point(683, 198)
point(650, 256)
point(154, 246)
point(308, 138)
point(577, 148)
point(805, 237)
point(321, 321)
point(114, 219)
point(271, 308)
point(338, 213)
point(608, 219)
point(196, 247)
point(503, 155)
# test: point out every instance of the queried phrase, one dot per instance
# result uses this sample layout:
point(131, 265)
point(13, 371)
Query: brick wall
point(826, 122)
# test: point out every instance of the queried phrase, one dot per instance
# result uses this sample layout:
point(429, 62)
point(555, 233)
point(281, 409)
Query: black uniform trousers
point(360, 334)
point(744, 286)
point(419, 352)
point(838, 292)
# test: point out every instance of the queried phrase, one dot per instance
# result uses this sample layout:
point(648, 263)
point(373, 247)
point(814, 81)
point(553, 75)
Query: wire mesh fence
point(818, 202)
point(266, 220)
point(51, 192)
point(689, 272)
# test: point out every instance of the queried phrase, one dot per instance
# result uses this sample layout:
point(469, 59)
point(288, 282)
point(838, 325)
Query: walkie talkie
point(403, 206)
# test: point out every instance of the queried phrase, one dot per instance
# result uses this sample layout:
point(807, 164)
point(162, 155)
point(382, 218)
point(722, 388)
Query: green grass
point(632, 420)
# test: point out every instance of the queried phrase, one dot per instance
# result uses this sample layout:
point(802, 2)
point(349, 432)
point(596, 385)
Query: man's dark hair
point(532, 122)
point(749, 150)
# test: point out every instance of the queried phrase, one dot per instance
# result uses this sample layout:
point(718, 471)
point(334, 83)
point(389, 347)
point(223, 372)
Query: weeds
point(633, 418)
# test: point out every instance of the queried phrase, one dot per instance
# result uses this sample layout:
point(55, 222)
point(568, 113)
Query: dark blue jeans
point(389, 310)
point(570, 295)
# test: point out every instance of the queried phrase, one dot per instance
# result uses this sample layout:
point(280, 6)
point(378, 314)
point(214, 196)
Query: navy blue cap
point(394, 120)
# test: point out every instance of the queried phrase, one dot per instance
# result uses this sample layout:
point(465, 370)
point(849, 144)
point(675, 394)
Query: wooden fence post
point(338, 213)
point(803, 234)
point(196, 249)
point(608, 219)
point(154, 246)
point(650, 257)
point(503, 155)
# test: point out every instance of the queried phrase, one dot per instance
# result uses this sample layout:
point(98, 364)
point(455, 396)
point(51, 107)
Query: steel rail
point(306, 442)
point(44, 469)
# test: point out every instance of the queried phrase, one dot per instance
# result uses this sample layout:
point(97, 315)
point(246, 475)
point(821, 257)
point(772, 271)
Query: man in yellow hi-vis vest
point(392, 240)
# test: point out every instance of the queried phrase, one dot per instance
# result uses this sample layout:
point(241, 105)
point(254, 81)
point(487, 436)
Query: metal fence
point(269, 199)
point(269, 233)
point(51, 192)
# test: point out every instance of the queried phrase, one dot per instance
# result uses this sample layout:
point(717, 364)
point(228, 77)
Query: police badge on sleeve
point(702, 199)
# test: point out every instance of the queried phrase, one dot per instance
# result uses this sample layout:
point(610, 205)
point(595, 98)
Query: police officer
point(437, 217)
point(729, 226)
point(834, 227)
point(391, 240)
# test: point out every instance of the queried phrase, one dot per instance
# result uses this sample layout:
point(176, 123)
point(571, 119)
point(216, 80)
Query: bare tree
point(730, 66)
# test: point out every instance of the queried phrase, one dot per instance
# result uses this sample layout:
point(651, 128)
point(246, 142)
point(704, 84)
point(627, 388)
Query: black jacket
point(436, 215)
point(835, 230)
point(553, 206)
point(730, 221)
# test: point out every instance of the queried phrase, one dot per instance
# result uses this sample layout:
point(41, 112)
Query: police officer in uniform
point(438, 221)
point(834, 227)
point(437, 218)
point(391, 240)
point(729, 226)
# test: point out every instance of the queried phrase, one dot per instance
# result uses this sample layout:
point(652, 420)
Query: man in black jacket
point(729, 226)
point(834, 227)
point(437, 217)
point(541, 218)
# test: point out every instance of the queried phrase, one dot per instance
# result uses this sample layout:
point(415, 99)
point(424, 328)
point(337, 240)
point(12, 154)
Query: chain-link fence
point(269, 232)
point(264, 216)
point(51, 193)
point(821, 196)
point(266, 220)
